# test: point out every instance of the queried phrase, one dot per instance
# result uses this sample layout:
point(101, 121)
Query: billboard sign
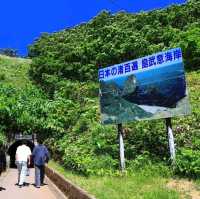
point(147, 88)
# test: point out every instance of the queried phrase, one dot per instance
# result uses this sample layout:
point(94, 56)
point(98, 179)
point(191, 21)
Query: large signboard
point(147, 88)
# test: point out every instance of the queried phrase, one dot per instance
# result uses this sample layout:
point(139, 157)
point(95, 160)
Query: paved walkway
point(11, 191)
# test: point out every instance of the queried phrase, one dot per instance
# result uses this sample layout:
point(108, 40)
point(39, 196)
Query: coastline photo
point(159, 92)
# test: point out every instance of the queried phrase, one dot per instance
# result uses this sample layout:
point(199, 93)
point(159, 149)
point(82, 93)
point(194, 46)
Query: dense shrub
point(76, 138)
point(107, 39)
point(188, 162)
point(2, 138)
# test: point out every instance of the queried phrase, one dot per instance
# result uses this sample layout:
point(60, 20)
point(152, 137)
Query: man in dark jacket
point(40, 157)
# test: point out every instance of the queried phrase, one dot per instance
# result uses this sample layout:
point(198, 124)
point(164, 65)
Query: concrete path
point(11, 191)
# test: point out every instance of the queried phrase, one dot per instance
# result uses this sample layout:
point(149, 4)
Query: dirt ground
point(186, 188)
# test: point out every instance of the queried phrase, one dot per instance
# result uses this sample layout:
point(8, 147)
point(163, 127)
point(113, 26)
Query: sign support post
point(121, 147)
point(170, 139)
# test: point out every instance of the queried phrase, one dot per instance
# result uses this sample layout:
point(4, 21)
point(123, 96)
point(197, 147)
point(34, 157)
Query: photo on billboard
point(148, 88)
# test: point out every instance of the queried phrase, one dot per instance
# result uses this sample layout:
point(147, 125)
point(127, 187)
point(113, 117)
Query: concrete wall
point(68, 188)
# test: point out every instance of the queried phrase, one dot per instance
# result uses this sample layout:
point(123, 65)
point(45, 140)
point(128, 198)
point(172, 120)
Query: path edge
point(68, 188)
point(57, 192)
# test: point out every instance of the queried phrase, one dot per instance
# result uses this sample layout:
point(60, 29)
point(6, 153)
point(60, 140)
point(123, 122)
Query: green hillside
point(13, 75)
point(71, 119)
point(65, 65)
point(107, 39)
point(55, 94)
point(70, 123)
point(14, 71)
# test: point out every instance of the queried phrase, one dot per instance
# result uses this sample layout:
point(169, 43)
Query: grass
point(198, 183)
point(140, 185)
point(144, 185)
point(193, 80)
point(14, 71)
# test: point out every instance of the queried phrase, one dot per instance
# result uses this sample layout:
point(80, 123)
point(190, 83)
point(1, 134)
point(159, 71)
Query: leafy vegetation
point(70, 125)
point(147, 183)
point(188, 162)
point(107, 39)
point(63, 106)
point(65, 65)
point(14, 71)
point(2, 138)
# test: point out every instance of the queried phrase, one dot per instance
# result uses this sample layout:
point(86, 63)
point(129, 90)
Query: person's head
point(39, 141)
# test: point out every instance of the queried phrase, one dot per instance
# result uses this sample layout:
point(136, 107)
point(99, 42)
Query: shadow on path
point(24, 185)
point(2, 189)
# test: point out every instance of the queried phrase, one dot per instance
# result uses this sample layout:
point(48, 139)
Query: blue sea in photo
point(163, 86)
point(154, 93)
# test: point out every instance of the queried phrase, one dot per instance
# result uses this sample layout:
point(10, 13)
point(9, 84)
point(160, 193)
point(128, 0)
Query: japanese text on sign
point(145, 63)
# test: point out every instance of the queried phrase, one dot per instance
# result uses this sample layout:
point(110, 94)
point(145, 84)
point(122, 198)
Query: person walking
point(22, 157)
point(40, 157)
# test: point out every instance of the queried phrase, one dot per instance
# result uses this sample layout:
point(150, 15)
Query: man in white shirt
point(23, 154)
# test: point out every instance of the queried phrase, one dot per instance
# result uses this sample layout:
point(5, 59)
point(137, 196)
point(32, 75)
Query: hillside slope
point(77, 53)
point(70, 124)
point(13, 74)
point(65, 65)
point(14, 71)
point(65, 112)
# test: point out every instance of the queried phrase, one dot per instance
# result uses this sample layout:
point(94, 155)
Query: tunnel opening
point(12, 151)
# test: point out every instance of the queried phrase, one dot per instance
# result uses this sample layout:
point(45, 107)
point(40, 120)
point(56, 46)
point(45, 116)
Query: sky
point(22, 21)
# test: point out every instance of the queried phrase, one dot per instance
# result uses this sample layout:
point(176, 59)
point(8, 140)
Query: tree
point(9, 52)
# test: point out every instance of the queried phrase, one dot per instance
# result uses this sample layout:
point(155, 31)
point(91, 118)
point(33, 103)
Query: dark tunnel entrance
point(12, 151)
